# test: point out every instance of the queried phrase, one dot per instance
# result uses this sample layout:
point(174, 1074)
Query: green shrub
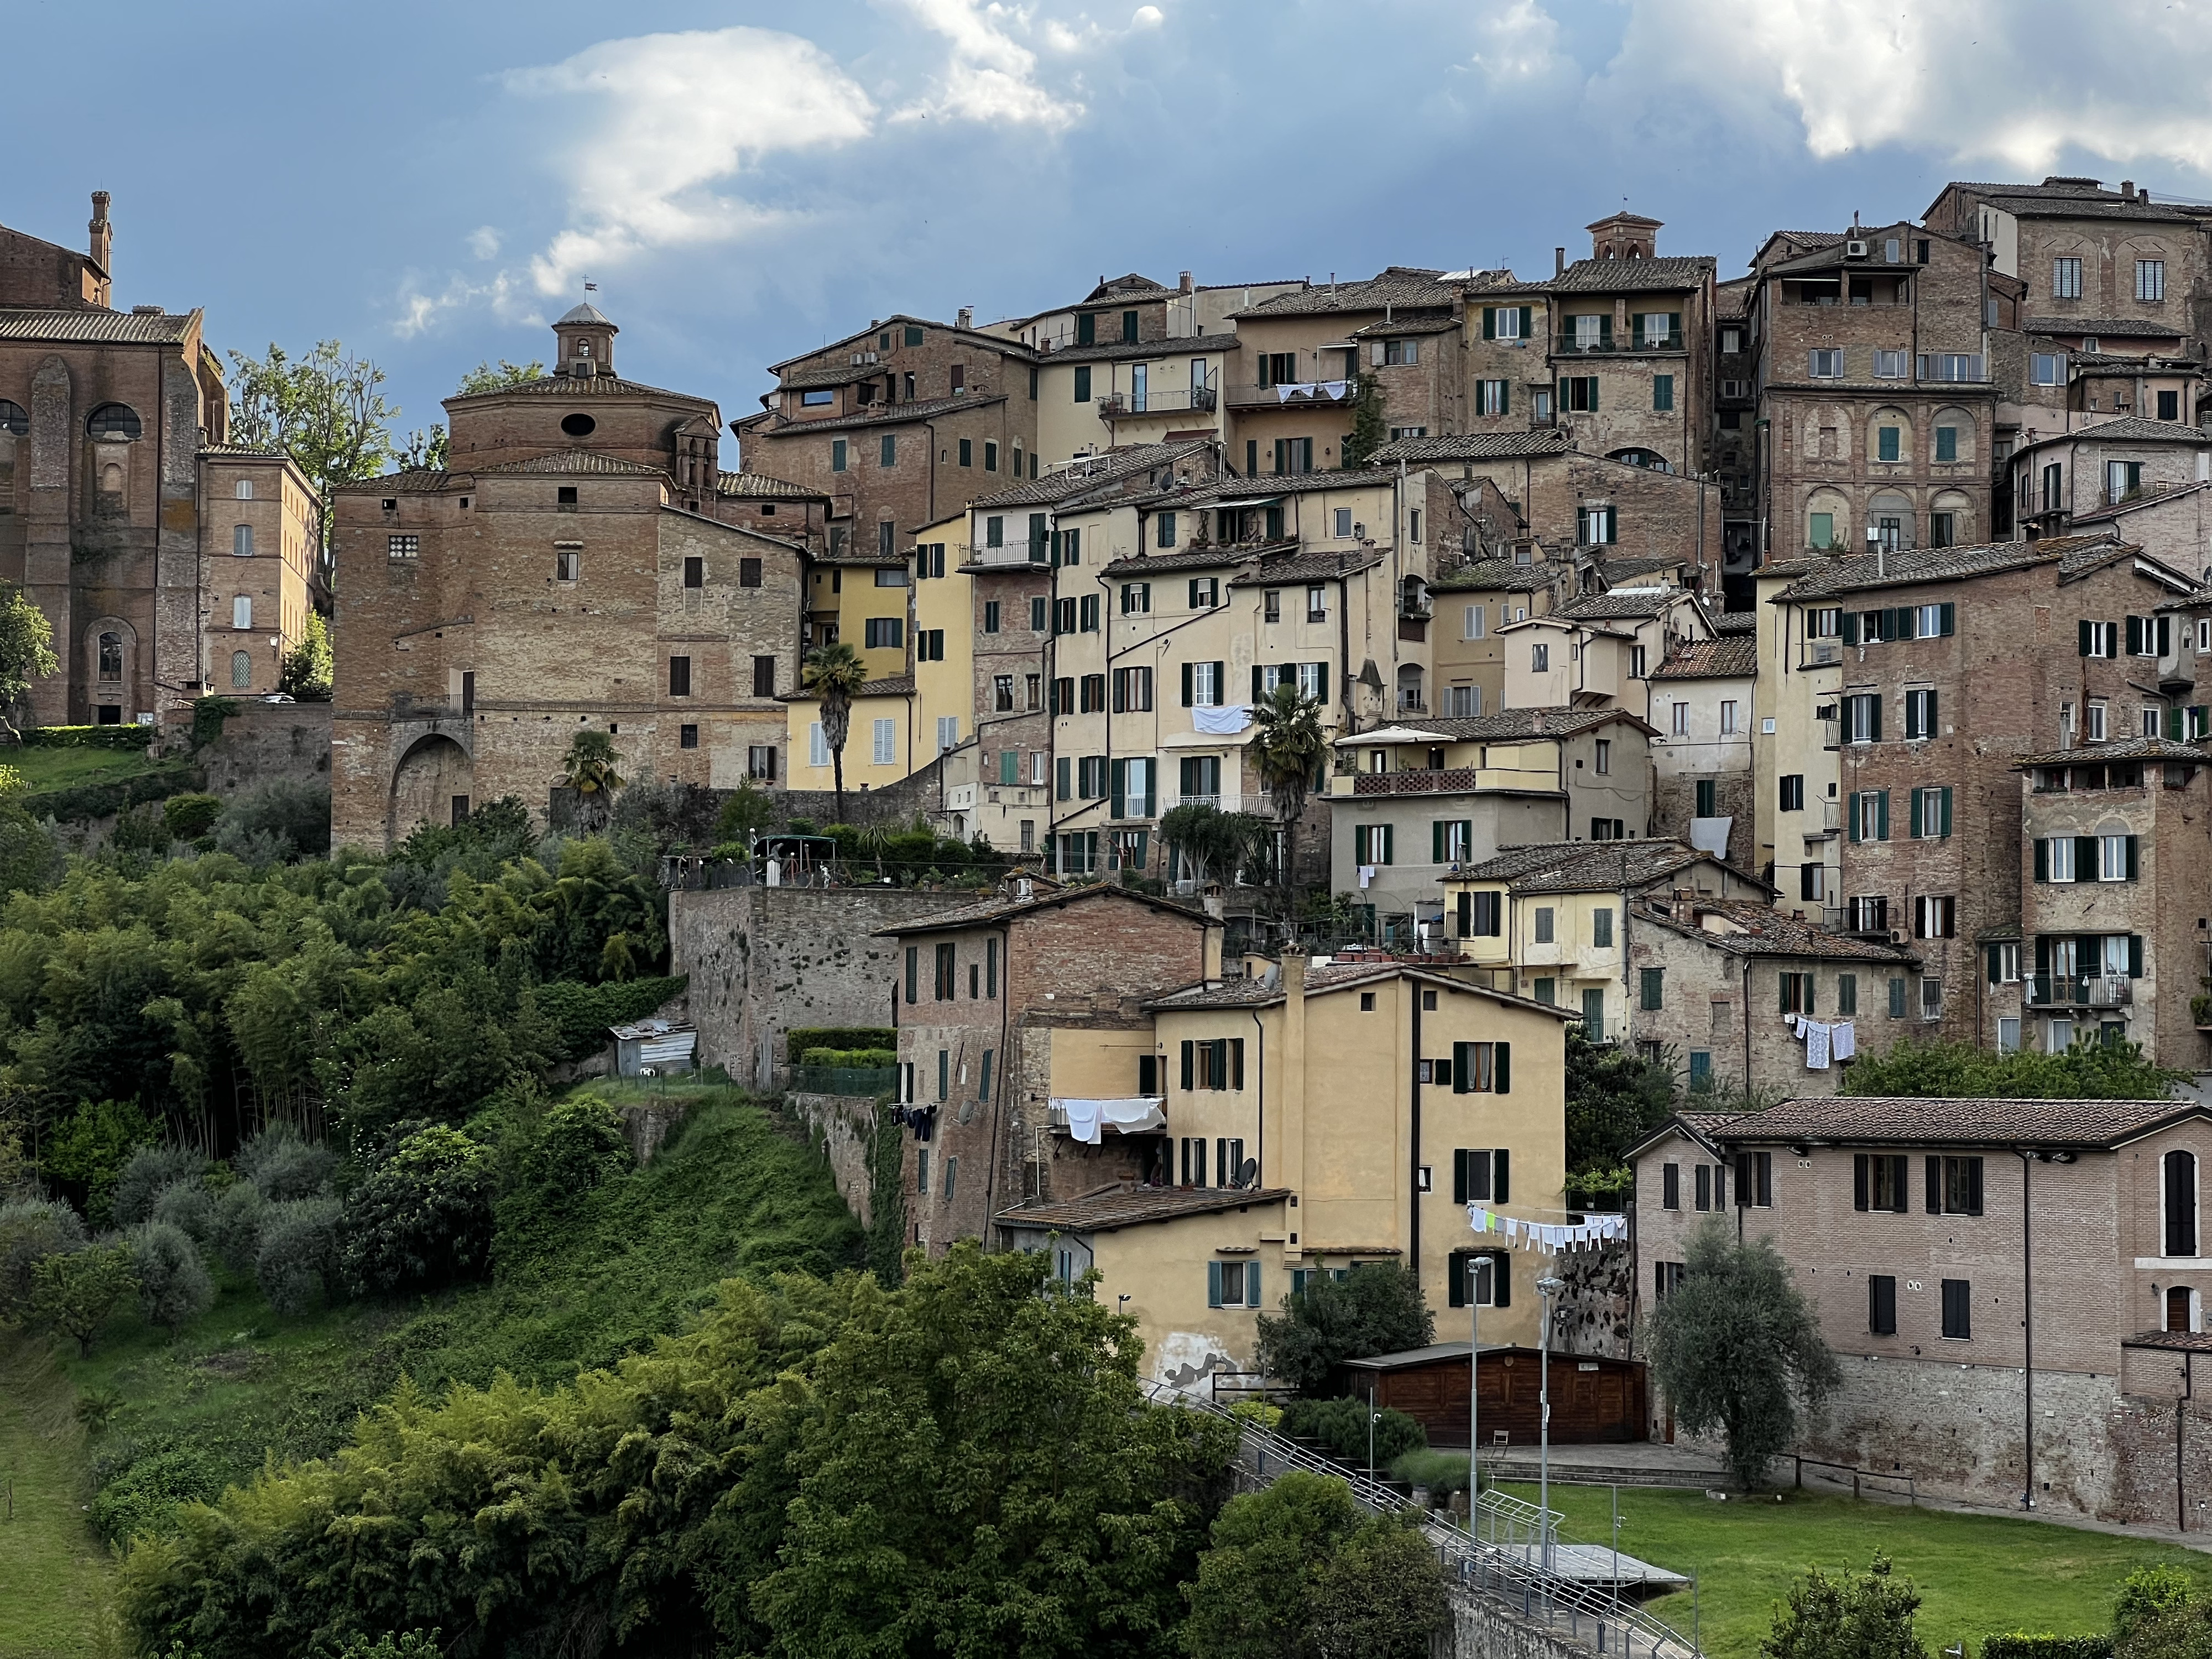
point(580, 1013)
point(1341, 1425)
point(2023, 1644)
point(853, 1057)
point(173, 1286)
point(295, 1262)
point(800, 1038)
point(31, 1230)
point(283, 1166)
point(235, 1232)
point(144, 1174)
point(278, 821)
point(89, 1152)
point(188, 817)
point(83, 801)
point(1441, 1472)
point(423, 1217)
point(1259, 1413)
point(145, 1494)
point(208, 715)
point(2149, 1594)
point(1370, 1311)
point(189, 1205)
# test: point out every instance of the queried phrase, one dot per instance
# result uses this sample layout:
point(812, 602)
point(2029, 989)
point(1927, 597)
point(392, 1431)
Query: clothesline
point(1824, 1040)
point(1551, 1237)
point(1286, 390)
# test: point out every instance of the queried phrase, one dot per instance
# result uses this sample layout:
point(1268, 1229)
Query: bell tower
point(1624, 236)
point(587, 343)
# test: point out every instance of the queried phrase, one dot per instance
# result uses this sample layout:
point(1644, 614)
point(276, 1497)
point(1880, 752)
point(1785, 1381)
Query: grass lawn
point(66, 769)
point(1977, 1575)
point(53, 1573)
point(730, 1191)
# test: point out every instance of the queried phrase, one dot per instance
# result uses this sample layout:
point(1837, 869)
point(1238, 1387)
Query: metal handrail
point(1505, 1572)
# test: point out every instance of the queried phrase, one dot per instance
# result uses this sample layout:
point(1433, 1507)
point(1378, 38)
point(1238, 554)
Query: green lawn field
point(1977, 1575)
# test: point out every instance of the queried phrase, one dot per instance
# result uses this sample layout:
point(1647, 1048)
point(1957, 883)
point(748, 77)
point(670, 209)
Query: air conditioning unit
point(1896, 936)
point(1854, 249)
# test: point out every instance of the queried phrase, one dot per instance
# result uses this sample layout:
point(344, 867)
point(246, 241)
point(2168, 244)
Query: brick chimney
point(966, 318)
point(103, 238)
point(1183, 286)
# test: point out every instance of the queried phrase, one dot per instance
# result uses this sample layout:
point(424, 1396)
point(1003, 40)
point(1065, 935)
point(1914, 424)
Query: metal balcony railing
point(1120, 405)
point(1583, 345)
point(1303, 392)
point(2080, 991)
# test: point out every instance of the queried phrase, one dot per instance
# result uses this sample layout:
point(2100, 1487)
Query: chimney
point(1559, 262)
point(1184, 285)
point(103, 235)
point(2127, 189)
point(966, 318)
point(1294, 971)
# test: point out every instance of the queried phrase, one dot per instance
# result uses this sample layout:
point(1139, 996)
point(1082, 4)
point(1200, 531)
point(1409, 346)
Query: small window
point(748, 573)
point(1958, 1311)
point(244, 490)
point(679, 677)
point(687, 737)
point(241, 540)
point(241, 670)
point(241, 611)
point(695, 572)
point(403, 547)
point(564, 496)
point(567, 564)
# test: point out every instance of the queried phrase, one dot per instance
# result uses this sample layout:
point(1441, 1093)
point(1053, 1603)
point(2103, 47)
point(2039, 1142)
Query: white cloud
point(989, 76)
point(483, 242)
point(1146, 17)
point(501, 293)
point(1969, 81)
point(1520, 42)
point(663, 118)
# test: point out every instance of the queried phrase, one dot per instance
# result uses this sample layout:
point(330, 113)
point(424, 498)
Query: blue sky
point(431, 183)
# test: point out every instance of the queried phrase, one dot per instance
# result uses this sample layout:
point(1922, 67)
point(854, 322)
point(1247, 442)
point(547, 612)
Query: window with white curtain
point(241, 611)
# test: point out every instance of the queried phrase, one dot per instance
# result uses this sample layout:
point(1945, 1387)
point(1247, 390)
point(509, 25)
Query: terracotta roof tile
point(94, 326)
point(1922, 1120)
point(1768, 932)
point(1134, 1206)
point(1731, 656)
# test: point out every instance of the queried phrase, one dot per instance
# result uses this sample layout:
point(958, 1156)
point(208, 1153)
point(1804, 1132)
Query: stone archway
point(432, 783)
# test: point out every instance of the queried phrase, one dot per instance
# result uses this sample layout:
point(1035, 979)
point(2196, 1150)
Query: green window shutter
point(1593, 392)
point(1851, 805)
point(2135, 636)
point(1944, 830)
point(1673, 323)
point(1462, 1070)
point(1604, 332)
point(1560, 407)
point(1949, 623)
point(1527, 312)
point(1466, 835)
point(1083, 386)
point(2042, 860)
point(2081, 638)
point(1010, 765)
point(1251, 1284)
point(1655, 984)
point(1997, 964)
point(1189, 1047)
point(1436, 841)
point(2134, 844)
point(1186, 685)
point(1873, 731)
point(1881, 815)
point(2085, 858)
point(1066, 767)
point(2166, 636)
point(1505, 392)
point(1501, 1280)
point(1490, 322)
point(1256, 692)
point(2135, 956)
point(1663, 392)
point(1501, 1082)
point(1850, 627)
point(1390, 843)
point(1119, 788)
point(1916, 813)
point(1213, 1283)
point(913, 970)
point(1782, 994)
point(1501, 1182)
point(2174, 725)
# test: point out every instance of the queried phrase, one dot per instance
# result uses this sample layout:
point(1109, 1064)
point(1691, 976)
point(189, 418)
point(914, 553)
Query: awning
point(1251, 501)
point(1392, 734)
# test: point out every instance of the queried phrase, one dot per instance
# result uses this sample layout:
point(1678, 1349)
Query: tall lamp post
point(1479, 1269)
point(1547, 1288)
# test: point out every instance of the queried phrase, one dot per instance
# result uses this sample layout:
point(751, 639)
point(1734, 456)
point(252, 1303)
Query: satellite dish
point(1248, 1172)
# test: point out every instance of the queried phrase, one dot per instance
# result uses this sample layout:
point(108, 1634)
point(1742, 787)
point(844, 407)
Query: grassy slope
point(53, 1571)
point(1977, 1575)
point(731, 1192)
point(66, 769)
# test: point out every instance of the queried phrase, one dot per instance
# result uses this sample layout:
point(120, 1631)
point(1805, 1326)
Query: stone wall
point(266, 742)
point(846, 1126)
point(765, 959)
point(1596, 1313)
point(1483, 1627)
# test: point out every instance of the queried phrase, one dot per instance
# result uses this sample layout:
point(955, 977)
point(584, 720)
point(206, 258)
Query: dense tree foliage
point(1297, 1572)
point(1372, 1310)
point(2090, 1070)
point(1868, 1615)
point(1736, 1347)
point(962, 1466)
point(1614, 1098)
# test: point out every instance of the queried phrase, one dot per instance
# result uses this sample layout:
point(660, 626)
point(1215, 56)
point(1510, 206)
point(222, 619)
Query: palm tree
point(1287, 745)
point(834, 673)
point(589, 769)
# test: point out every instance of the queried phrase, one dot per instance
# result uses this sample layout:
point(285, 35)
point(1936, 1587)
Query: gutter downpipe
point(2026, 1327)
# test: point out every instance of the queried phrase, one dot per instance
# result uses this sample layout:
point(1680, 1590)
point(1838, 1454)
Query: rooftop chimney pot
point(1559, 262)
point(1183, 286)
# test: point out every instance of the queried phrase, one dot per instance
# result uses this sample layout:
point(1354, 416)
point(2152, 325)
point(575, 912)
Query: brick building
point(119, 504)
point(1711, 983)
point(2111, 940)
point(1704, 706)
point(1915, 684)
point(566, 571)
point(897, 425)
point(1978, 1267)
point(1875, 391)
point(2124, 462)
point(981, 991)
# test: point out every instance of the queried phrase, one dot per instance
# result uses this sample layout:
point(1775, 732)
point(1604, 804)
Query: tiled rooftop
point(1917, 1120)
point(1471, 446)
point(1731, 656)
point(1869, 572)
point(1768, 932)
point(1132, 1206)
point(93, 326)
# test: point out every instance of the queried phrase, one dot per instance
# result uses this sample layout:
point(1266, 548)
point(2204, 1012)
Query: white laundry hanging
point(1223, 721)
point(1816, 1046)
point(1551, 1237)
point(1844, 1042)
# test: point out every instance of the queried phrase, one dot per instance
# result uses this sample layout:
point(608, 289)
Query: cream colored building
point(1796, 769)
point(1472, 604)
point(1553, 921)
point(1597, 652)
point(1280, 1083)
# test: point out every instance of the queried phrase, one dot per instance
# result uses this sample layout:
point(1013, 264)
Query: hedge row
point(100, 800)
point(801, 1038)
point(2020, 1645)
point(849, 1057)
point(125, 739)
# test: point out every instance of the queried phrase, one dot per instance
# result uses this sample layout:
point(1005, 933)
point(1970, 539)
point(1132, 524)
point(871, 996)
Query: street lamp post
point(1546, 1288)
point(1479, 1271)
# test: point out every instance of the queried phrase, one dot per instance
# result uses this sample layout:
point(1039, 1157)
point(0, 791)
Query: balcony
point(1579, 345)
point(1412, 703)
point(1831, 733)
point(2080, 991)
point(1168, 803)
point(1126, 406)
point(1290, 391)
point(1445, 781)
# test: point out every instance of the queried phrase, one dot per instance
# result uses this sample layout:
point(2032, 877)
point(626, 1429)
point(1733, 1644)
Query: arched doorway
point(432, 784)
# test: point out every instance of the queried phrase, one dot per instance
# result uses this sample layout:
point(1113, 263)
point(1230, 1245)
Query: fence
point(1912, 1486)
point(1500, 1554)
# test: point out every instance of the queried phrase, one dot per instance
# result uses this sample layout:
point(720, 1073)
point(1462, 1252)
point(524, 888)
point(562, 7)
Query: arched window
point(13, 419)
point(241, 670)
point(2179, 1172)
point(114, 420)
point(111, 655)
